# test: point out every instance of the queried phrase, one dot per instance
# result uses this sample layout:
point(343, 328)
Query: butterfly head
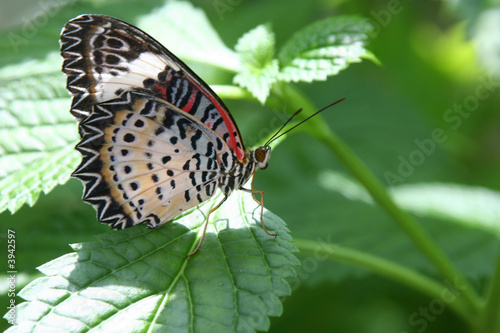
point(261, 156)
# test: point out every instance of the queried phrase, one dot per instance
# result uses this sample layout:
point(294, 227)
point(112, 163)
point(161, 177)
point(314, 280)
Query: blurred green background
point(436, 57)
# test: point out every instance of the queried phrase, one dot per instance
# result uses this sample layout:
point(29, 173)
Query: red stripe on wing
point(232, 143)
point(190, 102)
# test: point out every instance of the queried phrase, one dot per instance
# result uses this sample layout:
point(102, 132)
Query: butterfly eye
point(261, 156)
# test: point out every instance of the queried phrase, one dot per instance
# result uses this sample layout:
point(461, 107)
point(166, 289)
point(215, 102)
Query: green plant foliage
point(168, 26)
point(447, 202)
point(256, 49)
point(140, 279)
point(435, 235)
point(314, 53)
point(324, 48)
point(37, 136)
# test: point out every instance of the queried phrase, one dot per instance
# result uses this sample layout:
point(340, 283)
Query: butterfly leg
point(205, 226)
point(253, 194)
point(261, 203)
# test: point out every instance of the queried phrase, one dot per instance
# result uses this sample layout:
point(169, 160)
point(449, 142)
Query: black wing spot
point(148, 82)
point(165, 159)
point(159, 130)
point(210, 149)
point(99, 41)
point(111, 59)
point(129, 137)
point(98, 59)
point(168, 120)
point(224, 158)
point(114, 43)
point(139, 123)
point(198, 159)
point(210, 164)
point(183, 125)
point(195, 138)
point(220, 145)
point(146, 110)
point(217, 123)
point(162, 76)
point(193, 178)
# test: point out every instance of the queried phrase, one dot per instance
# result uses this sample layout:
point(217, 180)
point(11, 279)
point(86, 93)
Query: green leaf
point(259, 84)
point(324, 48)
point(51, 64)
point(139, 279)
point(37, 135)
point(256, 49)
point(474, 207)
point(197, 40)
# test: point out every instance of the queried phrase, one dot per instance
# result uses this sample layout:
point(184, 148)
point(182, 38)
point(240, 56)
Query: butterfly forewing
point(156, 140)
point(103, 57)
point(146, 161)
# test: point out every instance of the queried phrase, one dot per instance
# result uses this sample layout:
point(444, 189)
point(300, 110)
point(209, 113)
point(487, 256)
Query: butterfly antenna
point(278, 134)
point(271, 139)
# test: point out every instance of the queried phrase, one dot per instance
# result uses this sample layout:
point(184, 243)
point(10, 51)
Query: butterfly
point(155, 139)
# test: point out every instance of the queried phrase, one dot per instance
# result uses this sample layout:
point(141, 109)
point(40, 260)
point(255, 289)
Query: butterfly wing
point(103, 57)
point(146, 161)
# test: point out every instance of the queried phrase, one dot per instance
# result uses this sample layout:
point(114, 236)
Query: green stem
point(232, 92)
point(491, 319)
point(293, 98)
point(385, 268)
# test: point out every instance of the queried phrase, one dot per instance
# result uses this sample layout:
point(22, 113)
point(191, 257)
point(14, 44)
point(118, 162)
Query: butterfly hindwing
point(103, 57)
point(145, 161)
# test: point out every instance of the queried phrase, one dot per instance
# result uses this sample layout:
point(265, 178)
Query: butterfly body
point(156, 140)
